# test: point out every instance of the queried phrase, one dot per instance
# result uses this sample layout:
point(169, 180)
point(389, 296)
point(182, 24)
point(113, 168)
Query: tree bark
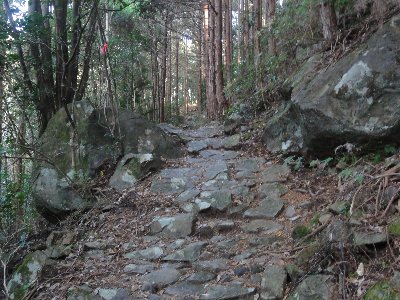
point(220, 97)
point(270, 21)
point(257, 27)
point(164, 70)
point(177, 76)
point(211, 88)
point(328, 19)
point(228, 40)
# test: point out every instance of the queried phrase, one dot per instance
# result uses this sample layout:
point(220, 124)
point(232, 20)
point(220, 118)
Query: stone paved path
point(228, 241)
point(229, 207)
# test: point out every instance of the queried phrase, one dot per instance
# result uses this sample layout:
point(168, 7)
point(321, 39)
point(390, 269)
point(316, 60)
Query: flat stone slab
point(266, 226)
point(314, 287)
point(205, 132)
point(273, 282)
point(215, 265)
point(188, 195)
point(233, 291)
point(188, 254)
point(196, 146)
point(171, 185)
point(160, 278)
point(219, 200)
point(272, 190)
point(219, 184)
point(214, 143)
point(275, 173)
point(249, 164)
point(269, 209)
point(149, 253)
point(114, 294)
point(217, 154)
point(139, 269)
point(231, 142)
point(369, 238)
point(201, 277)
point(181, 289)
point(214, 169)
point(177, 226)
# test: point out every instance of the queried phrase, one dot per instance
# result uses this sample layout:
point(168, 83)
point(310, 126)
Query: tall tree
point(271, 12)
point(328, 19)
point(220, 97)
point(55, 85)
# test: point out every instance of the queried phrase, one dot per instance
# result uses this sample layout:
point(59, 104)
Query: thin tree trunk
point(211, 88)
point(220, 97)
point(177, 76)
point(200, 67)
point(257, 27)
point(270, 21)
point(246, 30)
point(185, 86)
point(240, 31)
point(170, 75)
point(228, 40)
point(328, 19)
point(164, 70)
point(73, 63)
point(60, 8)
point(88, 52)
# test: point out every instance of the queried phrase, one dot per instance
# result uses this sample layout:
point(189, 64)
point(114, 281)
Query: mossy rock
point(26, 275)
point(382, 291)
point(307, 254)
point(300, 231)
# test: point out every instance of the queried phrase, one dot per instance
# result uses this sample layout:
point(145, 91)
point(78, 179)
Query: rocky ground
point(228, 221)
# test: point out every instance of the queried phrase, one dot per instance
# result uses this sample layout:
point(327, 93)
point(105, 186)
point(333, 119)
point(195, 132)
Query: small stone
point(190, 253)
point(225, 225)
point(240, 270)
point(177, 244)
point(272, 190)
point(177, 226)
point(369, 238)
point(159, 279)
point(139, 269)
point(196, 146)
point(182, 289)
point(294, 272)
point(273, 282)
point(276, 173)
point(339, 207)
point(188, 195)
point(113, 294)
point(232, 142)
point(216, 265)
point(149, 253)
point(249, 164)
point(325, 218)
point(219, 200)
point(201, 277)
point(233, 291)
point(290, 212)
point(267, 226)
point(269, 209)
point(314, 287)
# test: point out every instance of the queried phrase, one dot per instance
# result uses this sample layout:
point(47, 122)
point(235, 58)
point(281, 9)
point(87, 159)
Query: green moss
point(26, 274)
point(381, 291)
point(134, 166)
point(300, 231)
point(394, 228)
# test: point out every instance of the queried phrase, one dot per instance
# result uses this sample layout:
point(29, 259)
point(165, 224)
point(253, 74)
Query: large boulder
point(101, 136)
point(356, 100)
